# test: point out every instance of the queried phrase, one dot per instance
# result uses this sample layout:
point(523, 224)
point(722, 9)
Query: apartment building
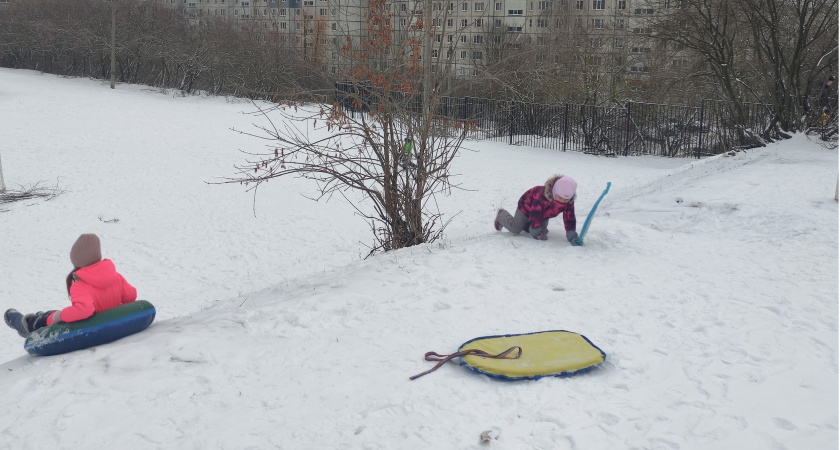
point(612, 35)
point(586, 38)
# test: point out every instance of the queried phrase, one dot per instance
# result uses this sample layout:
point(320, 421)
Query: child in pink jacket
point(541, 203)
point(93, 286)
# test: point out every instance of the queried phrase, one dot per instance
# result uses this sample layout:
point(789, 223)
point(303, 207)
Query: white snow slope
point(710, 284)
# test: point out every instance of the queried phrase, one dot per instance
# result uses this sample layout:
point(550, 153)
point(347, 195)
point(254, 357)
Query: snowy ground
point(711, 285)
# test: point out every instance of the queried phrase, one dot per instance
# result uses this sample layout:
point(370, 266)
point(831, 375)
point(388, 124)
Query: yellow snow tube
point(544, 354)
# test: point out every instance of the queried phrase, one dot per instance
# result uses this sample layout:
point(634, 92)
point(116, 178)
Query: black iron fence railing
point(633, 128)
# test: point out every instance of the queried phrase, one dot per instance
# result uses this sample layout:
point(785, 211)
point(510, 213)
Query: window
point(597, 23)
point(579, 4)
point(282, 25)
point(544, 6)
point(542, 23)
point(403, 7)
point(680, 64)
point(594, 60)
point(479, 6)
point(498, 6)
point(540, 40)
point(282, 11)
point(598, 4)
point(449, 38)
point(463, 39)
point(323, 12)
point(619, 23)
point(514, 29)
point(619, 43)
point(465, 7)
point(639, 69)
point(478, 39)
point(332, 12)
point(641, 30)
point(463, 23)
point(497, 23)
point(434, 53)
point(334, 26)
point(478, 55)
point(479, 23)
point(438, 38)
point(514, 12)
point(450, 22)
point(622, 4)
point(643, 11)
point(595, 42)
point(463, 54)
point(640, 50)
point(308, 2)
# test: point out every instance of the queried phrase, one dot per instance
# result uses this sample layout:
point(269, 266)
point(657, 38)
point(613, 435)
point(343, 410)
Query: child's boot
point(496, 222)
point(18, 321)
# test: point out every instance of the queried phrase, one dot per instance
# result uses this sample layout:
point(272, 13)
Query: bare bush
point(356, 142)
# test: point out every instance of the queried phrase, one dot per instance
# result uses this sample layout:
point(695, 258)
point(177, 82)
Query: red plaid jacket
point(538, 208)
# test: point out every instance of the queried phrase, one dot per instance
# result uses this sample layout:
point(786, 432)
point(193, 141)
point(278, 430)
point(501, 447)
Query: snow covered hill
point(711, 285)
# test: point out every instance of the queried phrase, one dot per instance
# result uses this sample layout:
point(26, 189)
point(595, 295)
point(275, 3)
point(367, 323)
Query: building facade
point(603, 36)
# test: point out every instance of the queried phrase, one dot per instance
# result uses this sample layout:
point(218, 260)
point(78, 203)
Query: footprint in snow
point(784, 424)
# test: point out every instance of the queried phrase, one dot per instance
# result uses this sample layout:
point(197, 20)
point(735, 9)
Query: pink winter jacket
point(98, 287)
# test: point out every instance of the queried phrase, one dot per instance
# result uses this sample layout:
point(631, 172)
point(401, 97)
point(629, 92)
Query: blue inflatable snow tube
point(101, 328)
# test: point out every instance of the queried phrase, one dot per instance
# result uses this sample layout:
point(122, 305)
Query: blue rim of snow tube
point(99, 329)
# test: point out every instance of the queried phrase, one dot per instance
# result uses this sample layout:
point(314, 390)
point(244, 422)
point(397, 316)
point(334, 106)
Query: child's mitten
point(572, 237)
point(539, 233)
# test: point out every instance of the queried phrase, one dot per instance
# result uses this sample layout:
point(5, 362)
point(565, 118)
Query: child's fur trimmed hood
point(549, 186)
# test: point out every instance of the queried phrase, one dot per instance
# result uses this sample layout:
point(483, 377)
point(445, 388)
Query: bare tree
point(765, 51)
point(155, 45)
point(357, 141)
point(789, 39)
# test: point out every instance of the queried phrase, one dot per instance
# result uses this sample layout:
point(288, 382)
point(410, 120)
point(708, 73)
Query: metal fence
point(633, 128)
